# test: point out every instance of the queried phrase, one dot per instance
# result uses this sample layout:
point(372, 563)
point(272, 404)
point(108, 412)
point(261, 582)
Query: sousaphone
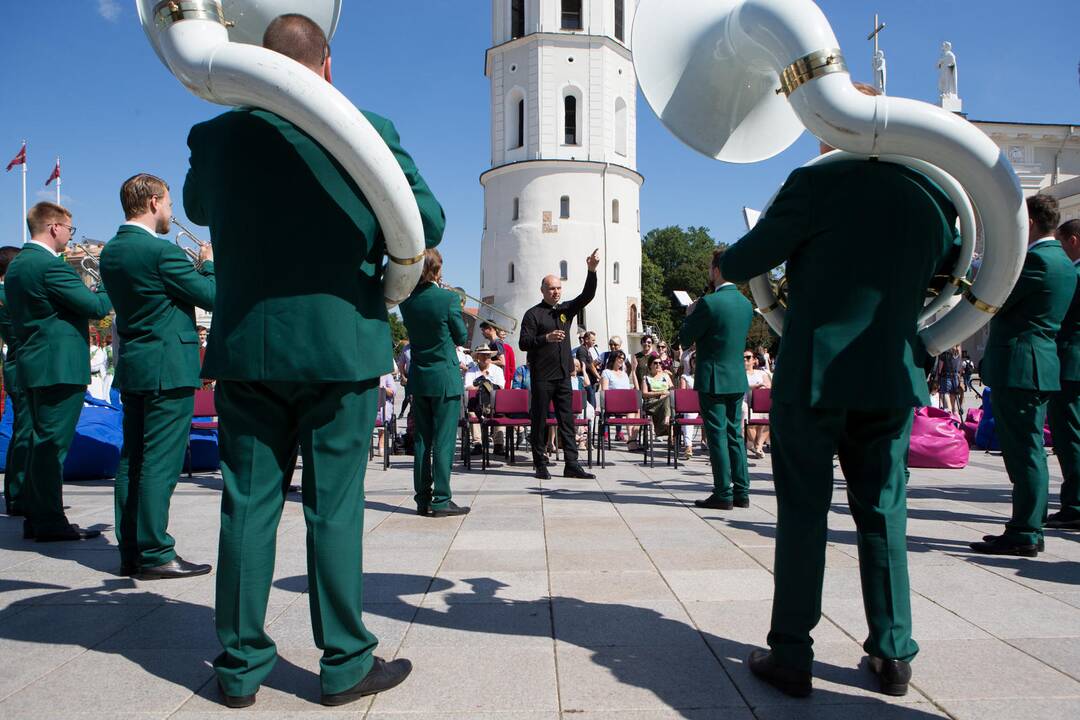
point(213, 48)
point(739, 80)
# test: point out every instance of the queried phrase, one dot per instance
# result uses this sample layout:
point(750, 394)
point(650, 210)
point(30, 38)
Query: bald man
point(545, 340)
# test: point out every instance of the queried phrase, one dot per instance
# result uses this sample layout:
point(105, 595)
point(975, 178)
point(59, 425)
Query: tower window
point(633, 318)
point(510, 274)
point(563, 270)
point(517, 208)
point(564, 206)
point(521, 123)
point(570, 115)
point(571, 14)
point(614, 211)
point(620, 20)
point(615, 274)
point(517, 19)
point(620, 126)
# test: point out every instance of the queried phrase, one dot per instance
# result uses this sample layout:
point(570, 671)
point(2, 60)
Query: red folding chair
point(617, 406)
point(683, 402)
point(204, 407)
point(507, 404)
point(760, 402)
point(577, 405)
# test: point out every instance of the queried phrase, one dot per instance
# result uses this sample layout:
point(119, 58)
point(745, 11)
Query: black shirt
point(548, 360)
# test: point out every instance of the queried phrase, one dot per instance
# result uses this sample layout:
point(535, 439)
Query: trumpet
point(88, 263)
point(509, 323)
point(184, 232)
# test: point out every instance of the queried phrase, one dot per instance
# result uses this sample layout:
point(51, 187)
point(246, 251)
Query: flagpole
point(23, 223)
point(58, 181)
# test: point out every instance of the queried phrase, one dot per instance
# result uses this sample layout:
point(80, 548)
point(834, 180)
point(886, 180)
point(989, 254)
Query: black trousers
point(541, 392)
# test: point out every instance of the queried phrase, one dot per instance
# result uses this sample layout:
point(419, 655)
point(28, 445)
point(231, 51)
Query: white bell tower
point(563, 158)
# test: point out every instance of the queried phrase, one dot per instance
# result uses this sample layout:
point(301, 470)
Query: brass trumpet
point(184, 232)
point(88, 263)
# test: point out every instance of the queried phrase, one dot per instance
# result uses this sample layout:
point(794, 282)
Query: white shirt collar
point(724, 285)
point(41, 244)
point(147, 228)
point(1076, 262)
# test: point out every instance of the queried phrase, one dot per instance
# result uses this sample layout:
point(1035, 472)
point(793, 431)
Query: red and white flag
point(19, 159)
point(55, 173)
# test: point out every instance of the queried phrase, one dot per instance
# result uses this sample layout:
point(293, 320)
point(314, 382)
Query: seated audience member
point(655, 395)
point(756, 435)
point(481, 369)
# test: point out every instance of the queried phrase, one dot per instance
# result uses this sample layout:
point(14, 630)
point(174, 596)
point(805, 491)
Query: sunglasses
point(747, 357)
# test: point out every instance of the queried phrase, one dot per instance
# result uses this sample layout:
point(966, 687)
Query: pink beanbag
point(937, 440)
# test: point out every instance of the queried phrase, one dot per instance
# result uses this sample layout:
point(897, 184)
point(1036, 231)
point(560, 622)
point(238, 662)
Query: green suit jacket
point(50, 312)
point(1022, 350)
point(433, 318)
point(298, 251)
point(861, 239)
point(1068, 339)
point(718, 325)
point(7, 336)
point(155, 288)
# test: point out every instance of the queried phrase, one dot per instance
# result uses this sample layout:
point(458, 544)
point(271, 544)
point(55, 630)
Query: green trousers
point(18, 449)
point(54, 413)
point(873, 447)
point(261, 425)
point(156, 430)
point(1019, 417)
point(1064, 412)
point(435, 426)
point(722, 418)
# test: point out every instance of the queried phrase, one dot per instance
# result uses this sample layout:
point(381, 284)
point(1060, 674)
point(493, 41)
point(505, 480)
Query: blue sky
point(79, 80)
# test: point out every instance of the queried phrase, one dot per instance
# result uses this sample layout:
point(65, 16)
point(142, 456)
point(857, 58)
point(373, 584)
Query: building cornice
point(567, 164)
point(575, 39)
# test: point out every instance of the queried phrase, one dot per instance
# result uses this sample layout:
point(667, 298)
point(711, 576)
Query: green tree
point(676, 259)
point(397, 329)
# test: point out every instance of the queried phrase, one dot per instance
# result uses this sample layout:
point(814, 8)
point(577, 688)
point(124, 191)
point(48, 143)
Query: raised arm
point(458, 332)
point(783, 227)
point(67, 289)
point(183, 282)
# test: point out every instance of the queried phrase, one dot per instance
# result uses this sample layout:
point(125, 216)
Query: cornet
point(191, 253)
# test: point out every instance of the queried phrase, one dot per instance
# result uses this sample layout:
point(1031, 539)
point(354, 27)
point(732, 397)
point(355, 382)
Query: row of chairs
point(687, 402)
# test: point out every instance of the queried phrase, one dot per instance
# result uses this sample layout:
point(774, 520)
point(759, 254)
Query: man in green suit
point(862, 240)
point(50, 312)
point(1022, 368)
point(21, 428)
point(1064, 408)
point(433, 317)
point(298, 254)
point(155, 289)
point(718, 324)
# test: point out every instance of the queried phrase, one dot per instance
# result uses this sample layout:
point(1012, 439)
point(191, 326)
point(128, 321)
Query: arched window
point(517, 208)
point(633, 318)
point(614, 211)
point(570, 117)
point(563, 270)
point(571, 14)
point(510, 274)
point(564, 206)
point(620, 126)
point(521, 123)
point(517, 19)
point(615, 274)
point(620, 20)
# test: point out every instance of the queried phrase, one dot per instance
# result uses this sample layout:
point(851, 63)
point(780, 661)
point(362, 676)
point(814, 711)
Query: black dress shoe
point(741, 502)
point(178, 567)
point(573, 470)
point(1040, 546)
point(127, 569)
point(712, 502)
point(999, 545)
point(71, 532)
point(1057, 521)
point(796, 683)
point(423, 510)
point(451, 510)
point(542, 472)
point(236, 701)
point(894, 675)
point(382, 676)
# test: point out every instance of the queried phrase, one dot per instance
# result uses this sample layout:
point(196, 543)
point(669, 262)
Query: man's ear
point(326, 70)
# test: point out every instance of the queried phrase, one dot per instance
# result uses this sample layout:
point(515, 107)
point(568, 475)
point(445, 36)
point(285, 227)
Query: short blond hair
point(136, 192)
point(44, 214)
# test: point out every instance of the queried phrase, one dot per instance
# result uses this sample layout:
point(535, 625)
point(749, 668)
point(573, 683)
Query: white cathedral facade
point(562, 179)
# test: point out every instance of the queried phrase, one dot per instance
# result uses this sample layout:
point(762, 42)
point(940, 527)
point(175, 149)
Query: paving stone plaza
point(610, 598)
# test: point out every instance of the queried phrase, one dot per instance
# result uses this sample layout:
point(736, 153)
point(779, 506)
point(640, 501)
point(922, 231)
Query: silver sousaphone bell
point(739, 80)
